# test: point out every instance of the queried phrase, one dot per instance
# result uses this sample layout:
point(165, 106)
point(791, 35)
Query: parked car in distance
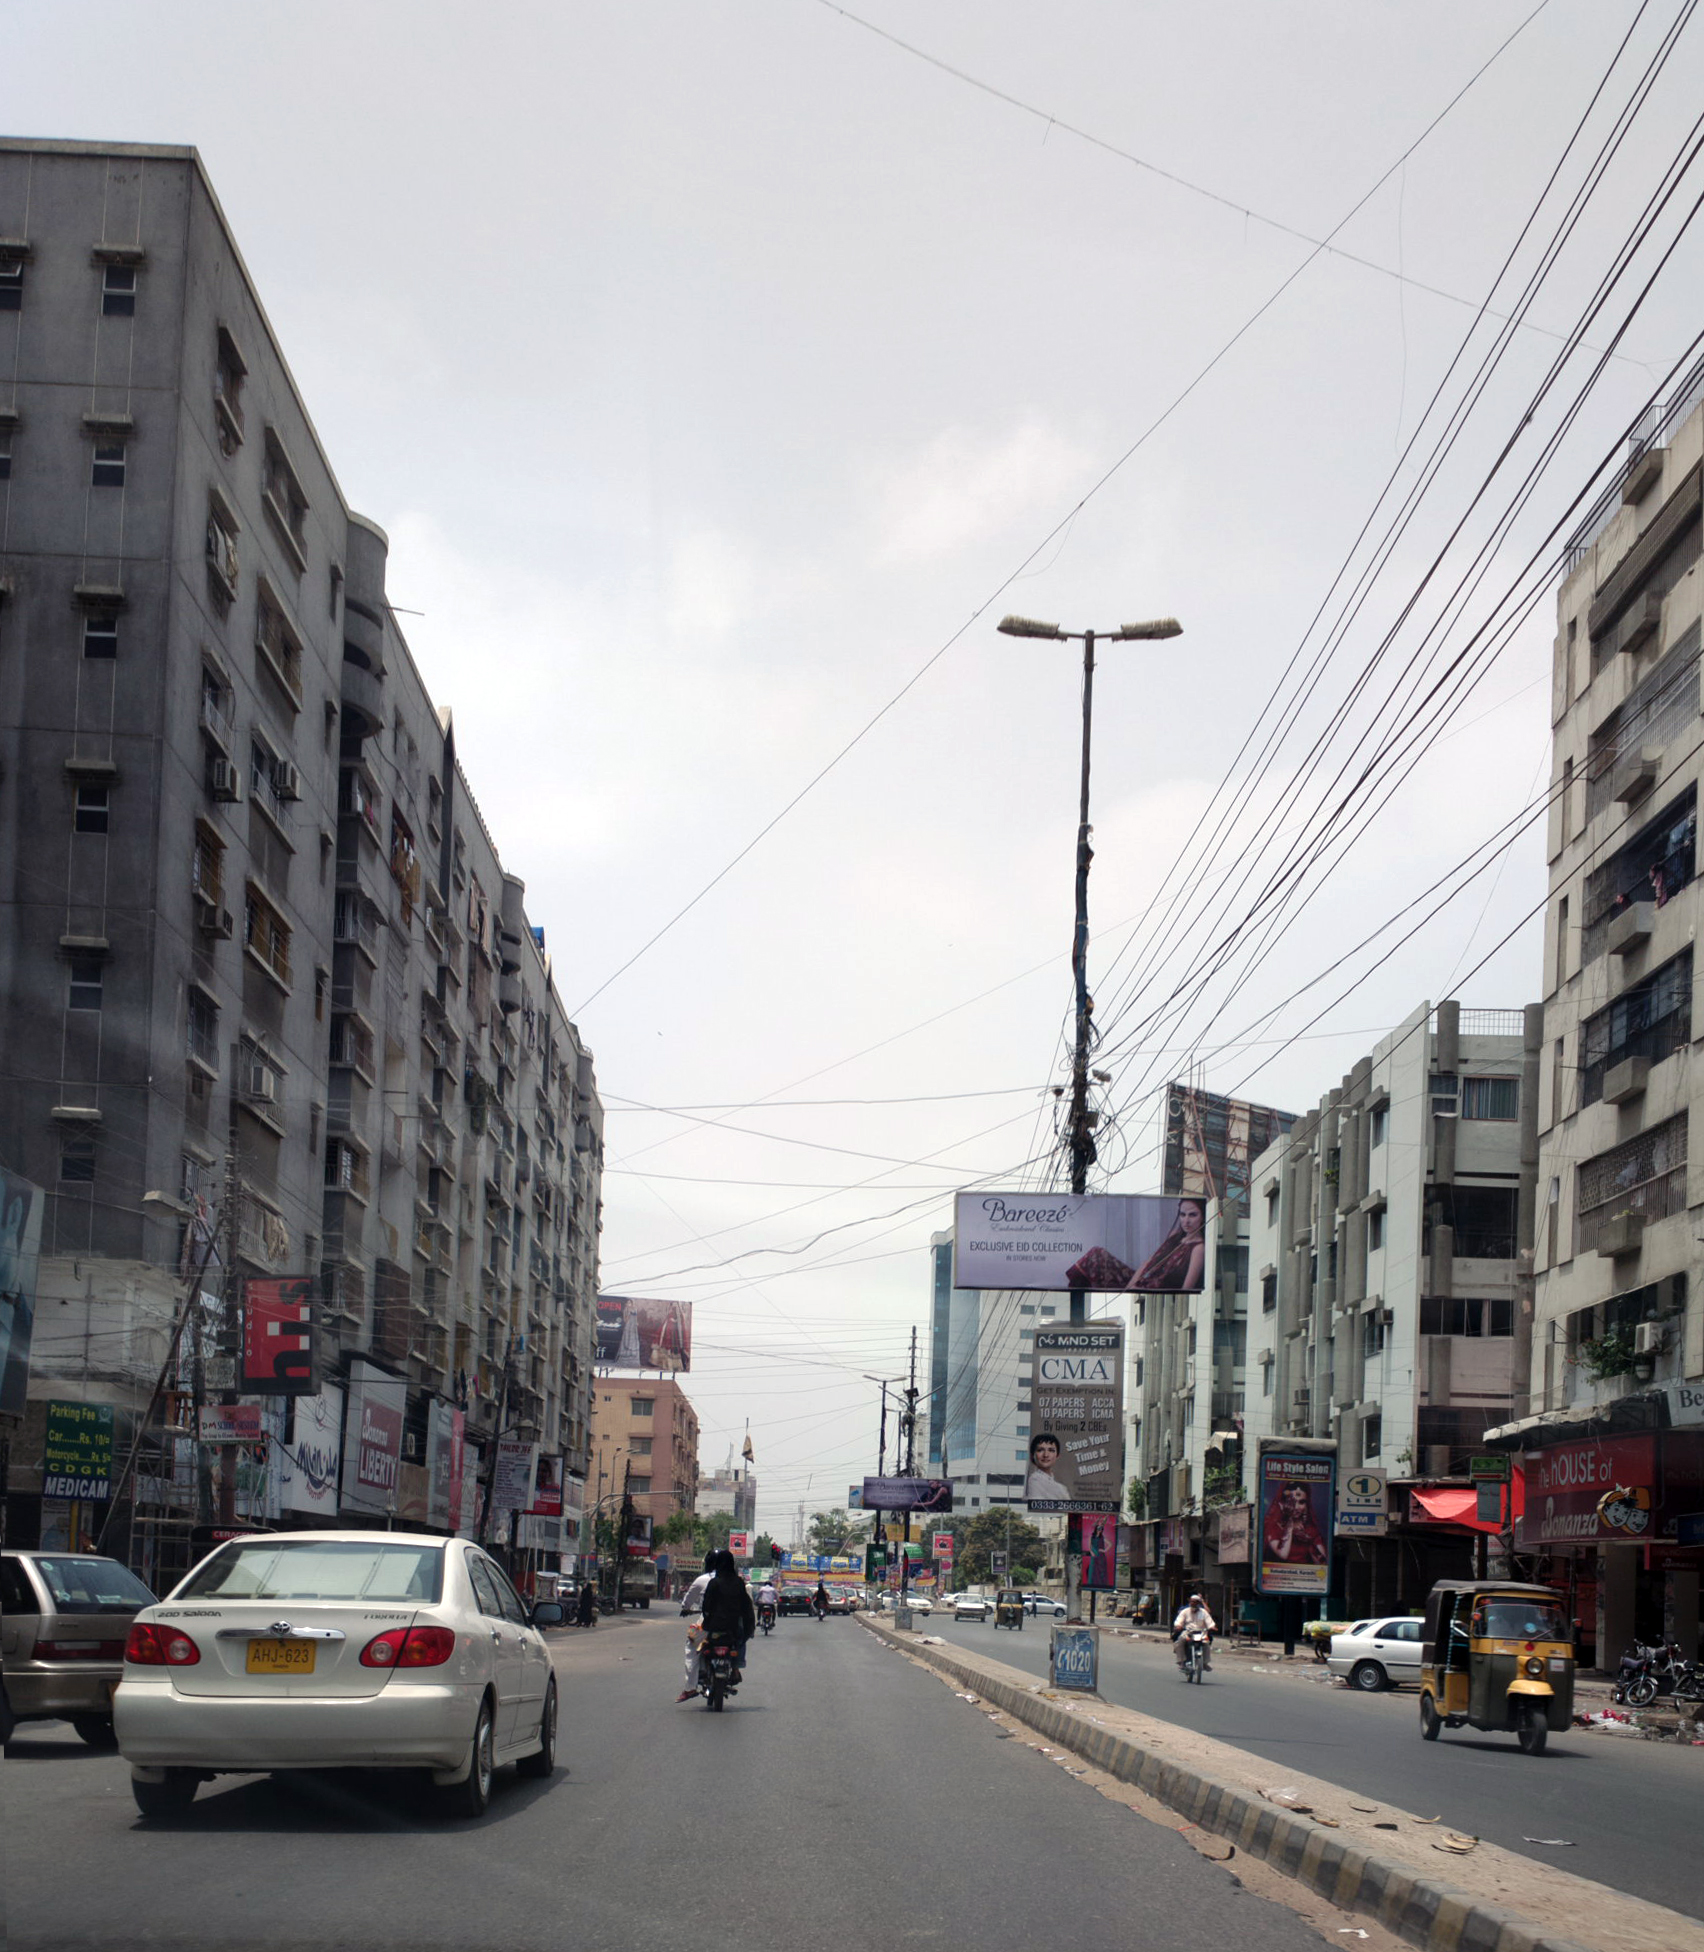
point(63, 1621)
point(1044, 1604)
point(970, 1606)
point(918, 1602)
point(337, 1650)
point(1376, 1654)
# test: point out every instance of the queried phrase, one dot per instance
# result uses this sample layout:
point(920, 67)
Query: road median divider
point(1373, 1859)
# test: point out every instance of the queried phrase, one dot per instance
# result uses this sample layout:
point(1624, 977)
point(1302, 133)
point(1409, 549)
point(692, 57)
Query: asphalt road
point(1629, 1808)
point(845, 1800)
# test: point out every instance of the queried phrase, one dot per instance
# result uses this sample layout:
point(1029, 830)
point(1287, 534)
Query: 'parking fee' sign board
point(1076, 1448)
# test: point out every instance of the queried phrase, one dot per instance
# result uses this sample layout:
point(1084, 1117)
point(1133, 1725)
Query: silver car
point(338, 1650)
point(1376, 1654)
point(63, 1621)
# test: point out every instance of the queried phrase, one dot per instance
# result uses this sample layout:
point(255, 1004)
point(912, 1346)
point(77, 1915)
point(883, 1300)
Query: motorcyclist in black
point(728, 1611)
point(819, 1601)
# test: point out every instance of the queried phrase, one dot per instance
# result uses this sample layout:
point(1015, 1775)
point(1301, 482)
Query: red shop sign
point(1568, 1483)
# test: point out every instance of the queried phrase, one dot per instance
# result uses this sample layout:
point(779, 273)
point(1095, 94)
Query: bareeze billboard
point(1139, 1243)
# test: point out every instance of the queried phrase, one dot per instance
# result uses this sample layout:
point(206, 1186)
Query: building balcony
point(363, 700)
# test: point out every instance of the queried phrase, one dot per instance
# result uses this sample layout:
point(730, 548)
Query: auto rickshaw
point(1496, 1655)
point(1009, 1608)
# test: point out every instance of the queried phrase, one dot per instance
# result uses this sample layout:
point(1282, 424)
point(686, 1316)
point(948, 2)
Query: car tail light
point(79, 1650)
point(410, 1647)
point(152, 1646)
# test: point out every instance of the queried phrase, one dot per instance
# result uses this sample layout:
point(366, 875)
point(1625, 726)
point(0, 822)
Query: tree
point(984, 1533)
point(1136, 1497)
point(834, 1531)
point(760, 1551)
point(1022, 1575)
point(694, 1535)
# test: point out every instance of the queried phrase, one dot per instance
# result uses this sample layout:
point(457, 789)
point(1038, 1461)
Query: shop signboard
point(1493, 1468)
point(21, 1206)
point(230, 1423)
point(311, 1450)
point(1076, 1451)
point(441, 1447)
point(1141, 1243)
point(739, 1544)
point(1294, 1509)
point(1599, 1489)
point(1362, 1504)
point(515, 1476)
point(372, 1439)
point(278, 1340)
point(76, 1458)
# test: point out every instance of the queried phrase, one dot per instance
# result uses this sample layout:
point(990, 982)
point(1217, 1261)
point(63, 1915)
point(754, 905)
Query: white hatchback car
point(1375, 1654)
point(337, 1650)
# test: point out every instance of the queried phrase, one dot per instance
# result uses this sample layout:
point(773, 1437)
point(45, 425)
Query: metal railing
point(1650, 431)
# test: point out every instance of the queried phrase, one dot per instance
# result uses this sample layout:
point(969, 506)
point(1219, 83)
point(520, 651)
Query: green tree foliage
point(684, 1532)
point(1136, 1498)
point(985, 1532)
point(1023, 1576)
point(834, 1531)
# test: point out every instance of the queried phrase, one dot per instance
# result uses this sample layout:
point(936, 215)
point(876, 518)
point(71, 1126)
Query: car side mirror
point(550, 1613)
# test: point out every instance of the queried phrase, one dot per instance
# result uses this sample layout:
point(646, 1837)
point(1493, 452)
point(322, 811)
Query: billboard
point(547, 1488)
point(1361, 1504)
point(1236, 1529)
point(20, 1244)
point(230, 1423)
point(1076, 1447)
point(1092, 1540)
point(1294, 1506)
point(311, 1453)
point(908, 1494)
point(372, 1439)
point(1211, 1142)
point(1141, 1243)
point(636, 1334)
point(515, 1475)
point(278, 1341)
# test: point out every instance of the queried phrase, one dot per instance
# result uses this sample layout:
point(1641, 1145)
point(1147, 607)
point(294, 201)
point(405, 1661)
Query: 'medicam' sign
point(739, 1544)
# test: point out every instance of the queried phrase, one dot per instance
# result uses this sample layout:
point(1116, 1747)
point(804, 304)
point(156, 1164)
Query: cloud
point(964, 485)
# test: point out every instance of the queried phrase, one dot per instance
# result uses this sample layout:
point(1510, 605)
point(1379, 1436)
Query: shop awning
point(1452, 1504)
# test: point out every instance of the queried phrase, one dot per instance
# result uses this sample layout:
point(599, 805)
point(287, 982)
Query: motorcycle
point(1647, 1672)
point(766, 1617)
point(1195, 1655)
point(718, 1672)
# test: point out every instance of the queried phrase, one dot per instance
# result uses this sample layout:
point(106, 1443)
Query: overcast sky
point(716, 369)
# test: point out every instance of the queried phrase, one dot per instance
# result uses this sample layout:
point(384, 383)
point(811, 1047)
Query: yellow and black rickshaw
point(1497, 1655)
point(1009, 1608)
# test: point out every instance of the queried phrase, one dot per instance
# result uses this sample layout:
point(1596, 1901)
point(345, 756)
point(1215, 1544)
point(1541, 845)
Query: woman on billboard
point(1178, 1264)
point(1292, 1532)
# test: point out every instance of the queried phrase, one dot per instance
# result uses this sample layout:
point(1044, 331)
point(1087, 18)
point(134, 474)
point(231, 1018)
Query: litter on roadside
point(1555, 1843)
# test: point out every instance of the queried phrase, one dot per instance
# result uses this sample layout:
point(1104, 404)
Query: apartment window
point(1446, 1094)
point(352, 1044)
point(1491, 1098)
point(345, 1168)
point(336, 589)
point(639, 1446)
point(1562, 941)
point(1653, 1020)
point(1558, 1083)
point(108, 465)
point(1266, 1369)
point(1269, 1291)
point(207, 866)
point(639, 1487)
point(278, 644)
point(87, 977)
point(100, 634)
point(269, 781)
point(1462, 1315)
point(1372, 1437)
point(1652, 715)
point(1048, 1309)
point(1026, 1307)
point(266, 934)
point(1380, 1124)
point(92, 809)
point(1272, 1207)
point(5, 459)
point(1645, 1177)
point(285, 502)
point(203, 1031)
point(11, 284)
point(642, 1406)
point(1483, 1218)
point(77, 1159)
point(1375, 1229)
point(118, 292)
point(1565, 796)
point(1654, 866)
point(1372, 1333)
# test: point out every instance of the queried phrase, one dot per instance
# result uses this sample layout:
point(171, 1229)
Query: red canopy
point(1451, 1504)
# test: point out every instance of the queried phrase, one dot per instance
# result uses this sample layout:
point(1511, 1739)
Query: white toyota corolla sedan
point(337, 1650)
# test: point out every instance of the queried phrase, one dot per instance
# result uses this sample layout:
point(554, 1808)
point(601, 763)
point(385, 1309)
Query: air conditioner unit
point(1384, 1317)
point(287, 781)
point(213, 920)
point(224, 781)
point(260, 1083)
point(1648, 1339)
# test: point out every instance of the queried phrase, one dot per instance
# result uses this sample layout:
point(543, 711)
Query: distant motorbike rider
point(692, 1602)
point(728, 1616)
point(767, 1602)
point(819, 1601)
point(1193, 1618)
point(586, 1614)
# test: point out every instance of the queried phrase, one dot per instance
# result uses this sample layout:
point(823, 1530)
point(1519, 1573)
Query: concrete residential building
point(264, 966)
point(1613, 1385)
point(730, 1491)
point(644, 1444)
point(1385, 1250)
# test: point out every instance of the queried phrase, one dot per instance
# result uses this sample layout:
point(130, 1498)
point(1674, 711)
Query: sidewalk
point(1434, 1889)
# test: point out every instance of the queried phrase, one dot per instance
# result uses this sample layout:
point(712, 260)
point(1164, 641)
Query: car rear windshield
point(92, 1585)
point(314, 1569)
point(1524, 1620)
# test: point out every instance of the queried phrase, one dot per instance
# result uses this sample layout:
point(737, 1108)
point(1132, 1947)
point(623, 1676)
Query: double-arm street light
point(1082, 1144)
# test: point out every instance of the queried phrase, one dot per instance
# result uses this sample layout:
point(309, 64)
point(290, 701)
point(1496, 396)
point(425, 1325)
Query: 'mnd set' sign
point(1076, 1446)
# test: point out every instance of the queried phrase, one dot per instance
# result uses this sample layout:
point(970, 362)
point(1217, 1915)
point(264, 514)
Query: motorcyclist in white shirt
point(767, 1597)
point(1193, 1617)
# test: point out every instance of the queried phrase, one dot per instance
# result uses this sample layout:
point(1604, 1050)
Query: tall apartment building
point(729, 1491)
point(1369, 1295)
point(1614, 1379)
point(644, 1444)
point(259, 940)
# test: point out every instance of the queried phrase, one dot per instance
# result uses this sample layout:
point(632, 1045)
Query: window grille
point(1646, 1176)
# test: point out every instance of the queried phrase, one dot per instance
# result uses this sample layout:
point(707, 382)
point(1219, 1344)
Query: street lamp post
point(1082, 1143)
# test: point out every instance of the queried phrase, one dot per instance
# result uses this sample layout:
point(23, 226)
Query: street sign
point(1493, 1469)
point(1074, 1658)
point(1361, 1504)
point(996, 1562)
